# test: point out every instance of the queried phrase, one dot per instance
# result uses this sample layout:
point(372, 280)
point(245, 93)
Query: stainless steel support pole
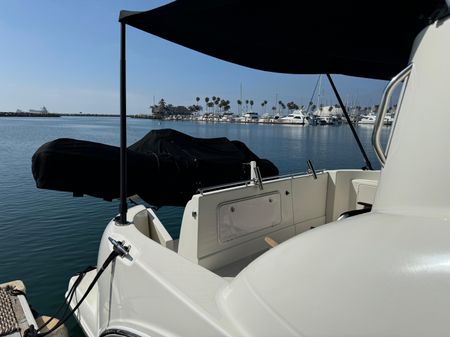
point(123, 130)
point(385, 99)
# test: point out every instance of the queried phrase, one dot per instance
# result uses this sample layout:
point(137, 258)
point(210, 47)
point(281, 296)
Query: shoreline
point(50, 115)
point(27, 114)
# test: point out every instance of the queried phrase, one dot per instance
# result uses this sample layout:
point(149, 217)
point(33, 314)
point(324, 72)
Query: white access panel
point(241, 217)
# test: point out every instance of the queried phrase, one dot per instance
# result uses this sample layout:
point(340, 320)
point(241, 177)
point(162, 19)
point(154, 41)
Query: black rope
point(68, 298)
point(16, 292)
point(32, 332)
point(13, 291)
point(355, 135)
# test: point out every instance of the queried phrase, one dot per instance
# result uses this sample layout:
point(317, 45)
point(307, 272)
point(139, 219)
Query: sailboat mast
point(276, 104)
point(319, 91)
point(240, 105)
point(310, 102)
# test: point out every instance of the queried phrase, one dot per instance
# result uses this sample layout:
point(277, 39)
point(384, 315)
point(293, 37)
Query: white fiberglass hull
point(167, 288)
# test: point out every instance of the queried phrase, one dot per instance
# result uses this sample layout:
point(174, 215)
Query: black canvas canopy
point(370, 39)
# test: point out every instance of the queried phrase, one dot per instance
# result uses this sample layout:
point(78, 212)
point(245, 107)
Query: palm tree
point(251, 105)
point(289, 106)
point(217, 102)
point(206, 103)
point(161, 109)
point(282, 105)
point(239, 102)
point(246, 104)
point(197, 106)
point(222, 104)
point(292, 106)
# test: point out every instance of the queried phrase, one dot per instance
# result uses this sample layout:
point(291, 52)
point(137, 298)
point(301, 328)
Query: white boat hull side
point(136, 295)
point(87, 313)
point(157, 290)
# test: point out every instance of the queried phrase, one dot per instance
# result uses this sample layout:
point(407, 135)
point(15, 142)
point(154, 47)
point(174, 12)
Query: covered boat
point(165, 167)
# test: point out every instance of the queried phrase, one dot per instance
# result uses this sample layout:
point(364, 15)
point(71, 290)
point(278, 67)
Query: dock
point(16, 315)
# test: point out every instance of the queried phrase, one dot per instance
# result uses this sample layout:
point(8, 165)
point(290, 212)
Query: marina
point(294, 117)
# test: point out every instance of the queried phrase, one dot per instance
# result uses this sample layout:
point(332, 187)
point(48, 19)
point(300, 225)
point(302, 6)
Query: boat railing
point(385, 99)
point(251, 182)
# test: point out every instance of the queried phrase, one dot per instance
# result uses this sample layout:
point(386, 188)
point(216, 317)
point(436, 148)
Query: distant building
point(43, 110)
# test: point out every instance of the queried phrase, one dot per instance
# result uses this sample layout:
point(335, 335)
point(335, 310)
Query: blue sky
point(65, 55)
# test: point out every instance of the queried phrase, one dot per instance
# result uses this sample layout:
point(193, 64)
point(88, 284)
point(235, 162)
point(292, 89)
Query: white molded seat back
point(416, 177)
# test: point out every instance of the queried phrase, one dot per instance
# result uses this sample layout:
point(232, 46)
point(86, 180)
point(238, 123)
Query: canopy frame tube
point(350, 124)
point(123, 128)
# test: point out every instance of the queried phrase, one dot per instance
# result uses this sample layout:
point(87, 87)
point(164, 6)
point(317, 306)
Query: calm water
point(48, 236)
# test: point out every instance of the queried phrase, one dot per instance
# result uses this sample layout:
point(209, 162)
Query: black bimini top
point(370, 39)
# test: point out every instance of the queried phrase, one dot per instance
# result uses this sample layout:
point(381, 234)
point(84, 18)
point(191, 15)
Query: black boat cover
point(165, 167)
point(352, 37)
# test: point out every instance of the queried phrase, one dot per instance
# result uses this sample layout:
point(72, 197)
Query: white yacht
point(325, 253)
point(324, 115)
point(227, 117)
point(250, 117)
point(388, 119)
point(296, 117)
point(265, 118)
point(368, 119)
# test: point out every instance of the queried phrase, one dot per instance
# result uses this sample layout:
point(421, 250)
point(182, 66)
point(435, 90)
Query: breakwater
point(28, 114)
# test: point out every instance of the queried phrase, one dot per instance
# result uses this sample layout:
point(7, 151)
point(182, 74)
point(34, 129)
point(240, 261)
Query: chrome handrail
point(243, 183)
point(376, 135)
